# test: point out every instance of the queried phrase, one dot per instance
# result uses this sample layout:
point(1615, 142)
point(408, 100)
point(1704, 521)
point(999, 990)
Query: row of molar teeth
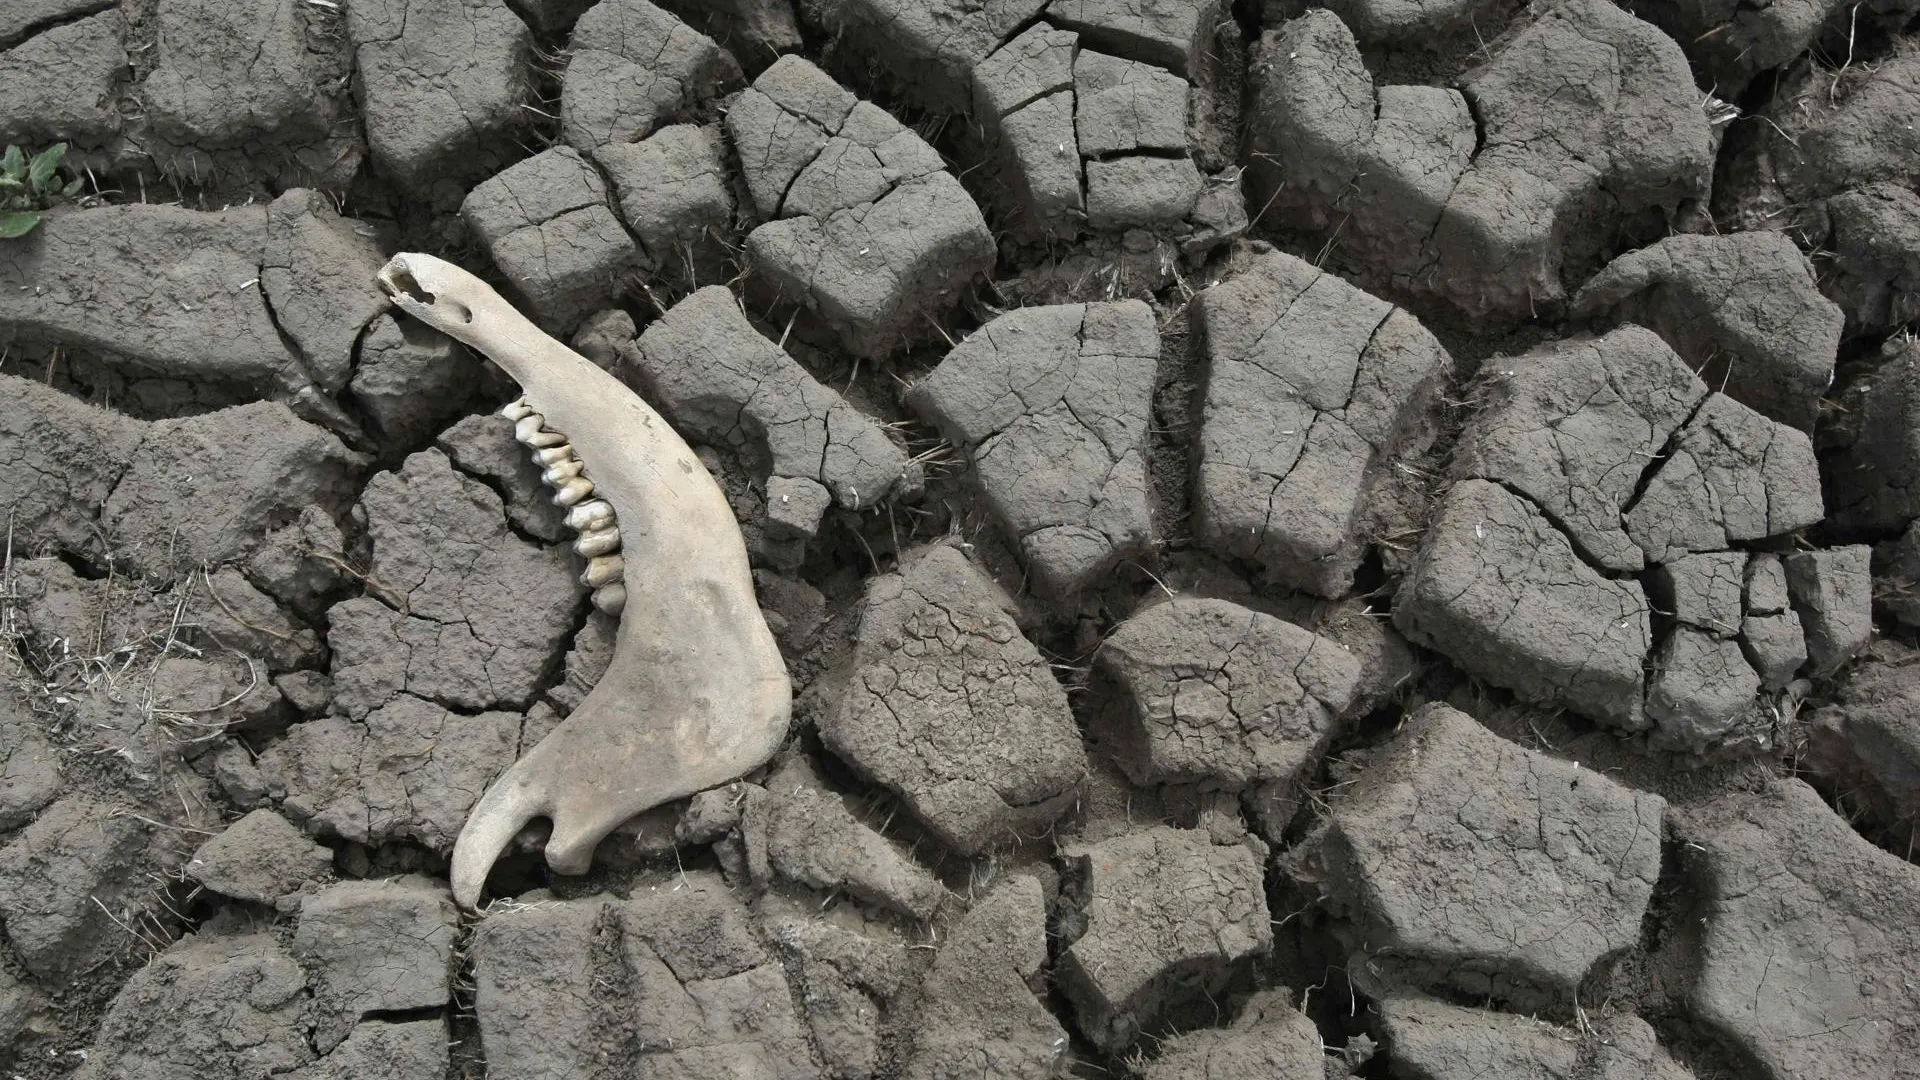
point(563, 471)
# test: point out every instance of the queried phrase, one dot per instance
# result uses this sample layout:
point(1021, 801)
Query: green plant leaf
point(14, 164)
point(18, 224)
point(74, 188)
point(12, 183)
point(44, 163)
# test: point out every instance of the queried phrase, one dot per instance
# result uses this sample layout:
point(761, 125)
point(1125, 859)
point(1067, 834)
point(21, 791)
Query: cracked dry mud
point(1376, 538)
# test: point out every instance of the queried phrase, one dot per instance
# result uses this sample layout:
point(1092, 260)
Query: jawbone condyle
point(696, 693)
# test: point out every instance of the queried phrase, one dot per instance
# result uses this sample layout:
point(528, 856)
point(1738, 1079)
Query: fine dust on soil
point(1371, 539)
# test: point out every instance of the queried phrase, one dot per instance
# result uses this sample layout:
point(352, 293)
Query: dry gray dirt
point(1377, 538)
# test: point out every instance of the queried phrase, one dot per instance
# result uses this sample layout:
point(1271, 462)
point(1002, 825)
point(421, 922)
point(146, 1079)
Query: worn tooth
point(568, 492)
point(611, 599)
point(598, 542)
point(545, 439)
point(590, 515)
point(530, 424)
point(553, 455)
point(561, 470)
point(516, 410)
point(603, 570)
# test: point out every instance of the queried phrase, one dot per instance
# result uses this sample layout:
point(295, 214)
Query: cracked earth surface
point(1370, 539)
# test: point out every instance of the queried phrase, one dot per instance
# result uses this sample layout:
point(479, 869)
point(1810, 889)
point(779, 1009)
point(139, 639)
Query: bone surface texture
point(696, 693)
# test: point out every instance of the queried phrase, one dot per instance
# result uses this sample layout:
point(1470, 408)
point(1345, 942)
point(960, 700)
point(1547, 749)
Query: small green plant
point(28, 186)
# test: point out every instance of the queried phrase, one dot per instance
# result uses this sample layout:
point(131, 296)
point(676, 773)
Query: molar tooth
point(528, 425)
point(561, 470)
point(603, 570)
point(516, 410)
point(553, 455)
point(598, 542)
point(542, 440)
point(590, 515)
point(572, 490)
point(611, 599)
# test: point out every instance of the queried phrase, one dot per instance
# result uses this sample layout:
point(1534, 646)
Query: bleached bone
point(696, 693)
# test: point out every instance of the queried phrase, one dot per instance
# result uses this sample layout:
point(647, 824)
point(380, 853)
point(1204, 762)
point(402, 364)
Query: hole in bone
point(397, 280)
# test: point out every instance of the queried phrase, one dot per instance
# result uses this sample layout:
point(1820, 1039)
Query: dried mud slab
point(1312, 386)
point(1206, 691)
point(931, 47)
point(65, 457)
point(1866, 745)
point(412, 1050)
point(1588, 123)
point(863, 224)
point(1613, 448)
point(1438, 1041)
point(1106, 117)
point(171, 495)
point(461, 611)
point(211, 1005)
point(1051, 406)
point(62, 83)
point(260, 81)
point(484, 448)
point(29, 765)
point(1731, 42)
point(673, 980)
point(533, 970)
point(410, 770)
point(548, 224)
point(1401, 23)
point(1168, 916)
point(259, 858)
point(1270, 1038)
point(1807, 959)
point(1821, 135)
point(212, 94)
point(1775, 639)
point(375, 947)
point(1325, 145)
point(1740, 309)
point(1873, 271)
point(63, 880)
point(849, 980)
point(441, 85)
point(633, 67)
point(803, 832)
point(982, 1013)
point(224, 1005)
point(410, 379)
point(947, 705)
point(674, 191)
point(1501, 591)
point(718, 378)
point(181, 303)
point(1832, 591)
point(191, 495)
point(317, 280)
point(28, 17)
point(1465, 863)
point(1873, 474)
point(1732, 477)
